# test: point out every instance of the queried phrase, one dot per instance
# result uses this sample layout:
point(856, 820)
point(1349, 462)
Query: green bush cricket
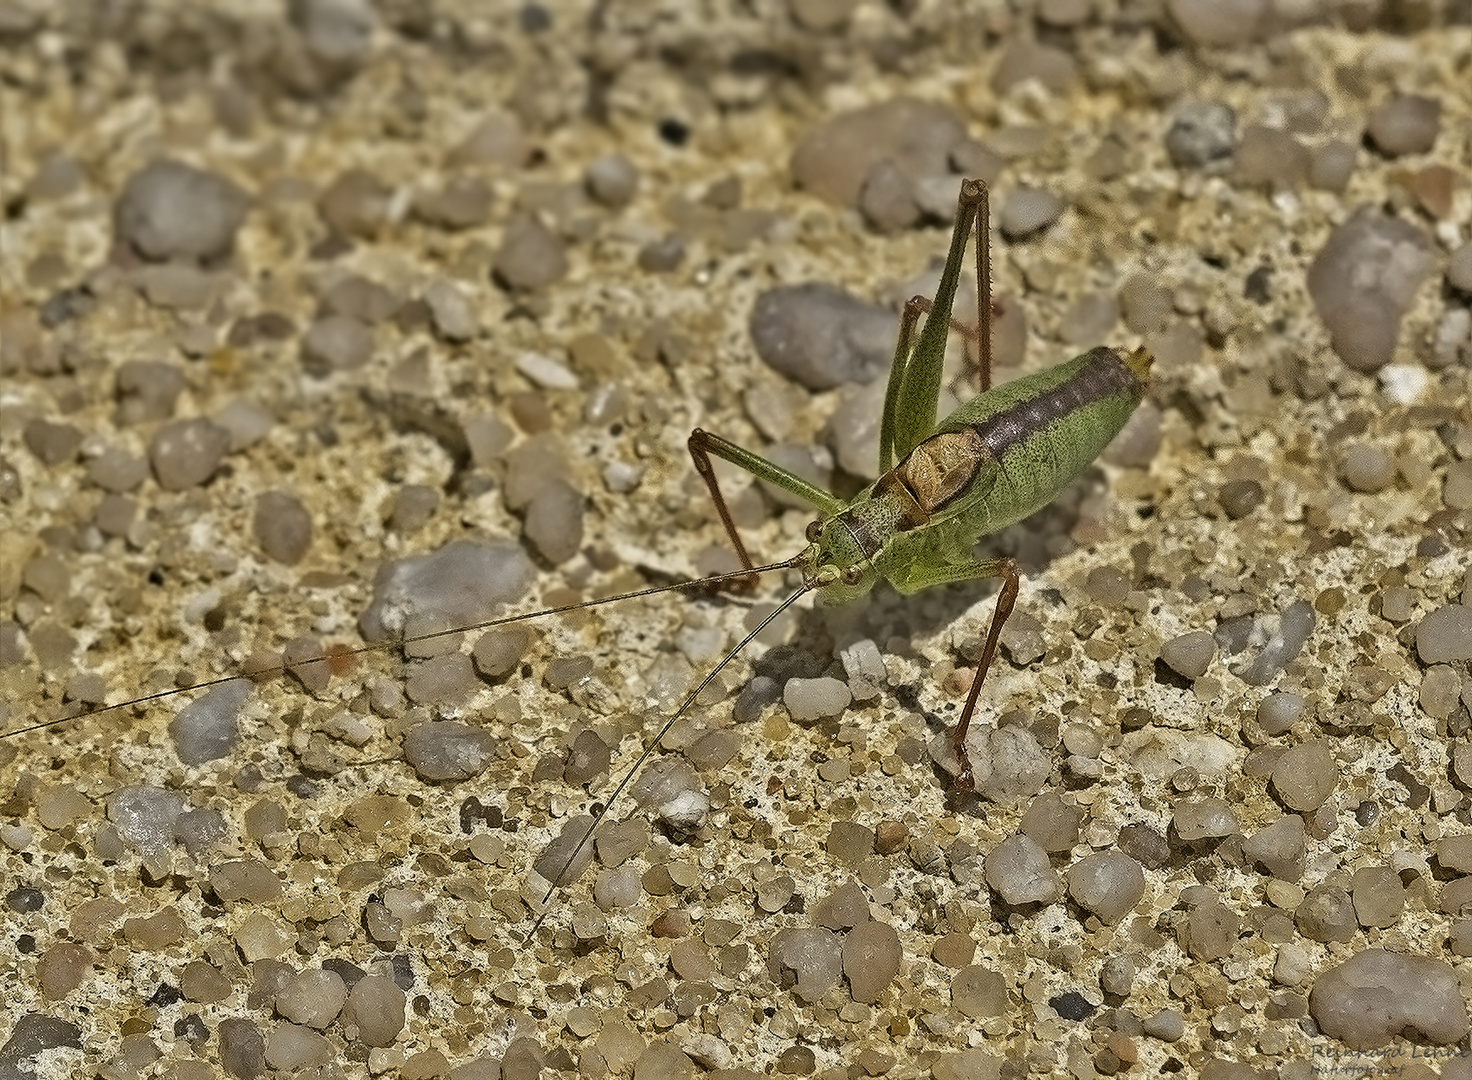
point(1001, 455)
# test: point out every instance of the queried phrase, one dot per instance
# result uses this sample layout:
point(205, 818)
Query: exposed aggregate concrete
point(351, 321)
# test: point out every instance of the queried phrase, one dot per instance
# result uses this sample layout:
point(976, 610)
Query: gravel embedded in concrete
point(359, 161)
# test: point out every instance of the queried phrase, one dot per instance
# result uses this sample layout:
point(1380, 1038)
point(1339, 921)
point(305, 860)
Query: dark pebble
point(1072, 1006)
point(51, 443)
point(282, 526)
point(24, 898)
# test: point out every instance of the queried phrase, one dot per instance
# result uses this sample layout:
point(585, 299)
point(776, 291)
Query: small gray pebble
point(144, 817)
point(1406, 124)
point(1269, 158)
point(355, 204)
point(498, 652)
point(242, 1048)
point(48, 577)
point(530, 256)
point(1331, 165)
point(1363, 281)
point(451, 313)
point(1240, 497)
point(186, 453)
point(464, 582)
point(146, 391)
point(176, 286)
point(1189, 654)
point(1204, 819)
point(1027, 211)
point(1107, 883)
point(282, 526)
point(1368, 468)
point(115, 514)
point(1117, 976)
point(813, 699)
point(1201, 132)
point(809, 959)
point(1019, 870)
point(413, 506)
point(1167, 1025)
point(51, 443)
point(444, 681)
point(246, 421)
point(1145, 303)
point(336, 343)
point(116, 471)
point(662, 256)
point(463, 203)
point(338, 31)
point(448, 750)
point(1444, 636)
point(305, 659)
point(554, 520)
point(553, 863)
point(1218, 22)
point(498, 140)
point(170, 210)
point(612, 180)
point(1279, 712)
point(361, 298)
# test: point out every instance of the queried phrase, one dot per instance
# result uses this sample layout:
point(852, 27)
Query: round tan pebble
point(954, 950)
point(62, 968)
point(203, 982)
point(979, 992)
point(1304, 775)
point(375, 1006)
point(313, 998)
point(890, 837)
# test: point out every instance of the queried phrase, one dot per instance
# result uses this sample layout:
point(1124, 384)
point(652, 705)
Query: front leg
point(703, 444)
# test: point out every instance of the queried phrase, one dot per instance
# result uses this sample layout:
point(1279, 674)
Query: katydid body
point(997, 458)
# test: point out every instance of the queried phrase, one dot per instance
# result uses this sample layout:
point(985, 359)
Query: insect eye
point(815, 530)
point(853, 575)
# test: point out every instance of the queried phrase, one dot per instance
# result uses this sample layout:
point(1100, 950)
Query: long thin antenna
point(384, 646)
point(649, 749)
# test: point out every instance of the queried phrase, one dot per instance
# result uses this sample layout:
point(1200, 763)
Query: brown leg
point(984, 289)
point(700, 443)
point(1012, 581)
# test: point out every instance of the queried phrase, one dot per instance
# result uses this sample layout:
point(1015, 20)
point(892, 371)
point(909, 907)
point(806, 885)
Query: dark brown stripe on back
point(1103, 376)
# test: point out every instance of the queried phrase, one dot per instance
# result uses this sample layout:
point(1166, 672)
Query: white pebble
point(1404, 383)
point(813, 699)
point(546, 372)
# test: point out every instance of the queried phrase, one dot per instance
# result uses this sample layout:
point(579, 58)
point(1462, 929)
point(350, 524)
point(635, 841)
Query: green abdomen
point(1045, 429)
